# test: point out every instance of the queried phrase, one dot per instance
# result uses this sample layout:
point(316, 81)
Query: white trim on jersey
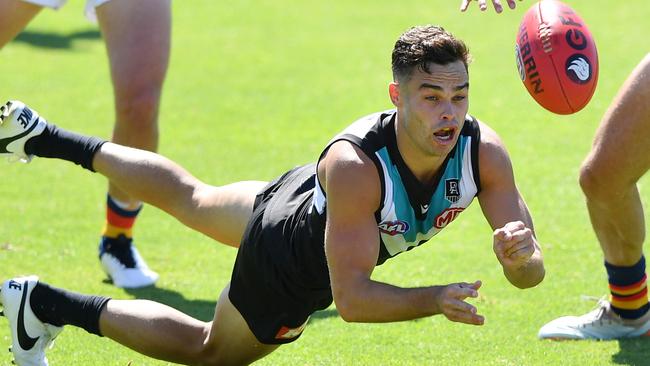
point(468, 188)
point(318, 200)
point(388, 205)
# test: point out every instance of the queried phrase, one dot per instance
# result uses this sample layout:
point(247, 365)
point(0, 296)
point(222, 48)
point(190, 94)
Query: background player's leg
point(618, 159)
point(608, 177)
point(137, 37)
point(14, 17)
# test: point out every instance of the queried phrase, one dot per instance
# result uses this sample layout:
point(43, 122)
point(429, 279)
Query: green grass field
point(257, 87)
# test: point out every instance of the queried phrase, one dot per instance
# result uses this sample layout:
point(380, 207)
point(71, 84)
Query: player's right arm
point(353, 192)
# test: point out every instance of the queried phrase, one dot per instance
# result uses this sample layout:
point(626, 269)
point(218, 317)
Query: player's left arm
point(514, 241)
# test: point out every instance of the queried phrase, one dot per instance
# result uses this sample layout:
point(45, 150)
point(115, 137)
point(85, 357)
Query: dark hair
point(425, 44)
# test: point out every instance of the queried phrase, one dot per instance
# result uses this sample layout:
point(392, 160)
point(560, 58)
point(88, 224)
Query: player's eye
point(459, 98)
point(432, 98)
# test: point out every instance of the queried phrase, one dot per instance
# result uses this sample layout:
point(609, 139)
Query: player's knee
point(601, 184)
point(138, 108)
point(592, 181)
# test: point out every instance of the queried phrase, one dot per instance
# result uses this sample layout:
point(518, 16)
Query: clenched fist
point(513, 244)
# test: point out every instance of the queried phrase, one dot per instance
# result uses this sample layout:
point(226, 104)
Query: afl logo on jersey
point(452, 190)
point(393, 228)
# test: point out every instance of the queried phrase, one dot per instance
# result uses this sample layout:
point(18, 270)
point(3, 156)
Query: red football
point(556, 57)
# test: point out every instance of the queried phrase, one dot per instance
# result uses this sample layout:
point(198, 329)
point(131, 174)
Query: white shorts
point(55, 4)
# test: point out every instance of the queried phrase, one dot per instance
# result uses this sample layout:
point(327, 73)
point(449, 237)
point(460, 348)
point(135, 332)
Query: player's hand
point(451, 302)
point(482, 4)
point(513, 244)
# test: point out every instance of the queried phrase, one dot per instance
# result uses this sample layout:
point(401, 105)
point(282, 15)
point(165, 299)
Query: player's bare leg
point(14, 17)
point(148, 327)
point(619, 157)
point(137, 37)
point(218, 212)
point(162, 332)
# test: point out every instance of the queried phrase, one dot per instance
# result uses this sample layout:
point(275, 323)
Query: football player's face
point(432, 106)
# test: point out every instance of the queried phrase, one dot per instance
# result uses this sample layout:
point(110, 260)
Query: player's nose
point(447, 111)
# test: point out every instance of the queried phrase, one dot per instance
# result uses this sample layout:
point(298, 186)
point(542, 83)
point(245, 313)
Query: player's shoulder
point(492, 152)
point(347, 164)
point(348, 172)
point(489, 138)
point(343, 155)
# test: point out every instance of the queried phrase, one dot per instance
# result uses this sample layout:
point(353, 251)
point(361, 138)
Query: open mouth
point(445, 134)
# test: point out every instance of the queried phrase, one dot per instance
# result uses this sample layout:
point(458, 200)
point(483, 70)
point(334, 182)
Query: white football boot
point(600, 324)
point(30, 336)
point(18, 123)
point(122, 262)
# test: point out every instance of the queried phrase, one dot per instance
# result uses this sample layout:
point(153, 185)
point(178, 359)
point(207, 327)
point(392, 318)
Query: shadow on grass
point(634, 351)
point(199, 309)
point(324, 314)
point(55, 40)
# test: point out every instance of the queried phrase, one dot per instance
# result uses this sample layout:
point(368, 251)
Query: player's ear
point(393, 92)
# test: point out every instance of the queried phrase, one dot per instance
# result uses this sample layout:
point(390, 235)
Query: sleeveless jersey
point(411, 213)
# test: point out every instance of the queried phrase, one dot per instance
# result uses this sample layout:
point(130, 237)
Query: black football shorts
point(267, 287)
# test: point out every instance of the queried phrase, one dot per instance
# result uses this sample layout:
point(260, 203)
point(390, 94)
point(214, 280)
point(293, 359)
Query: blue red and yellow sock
point(119, 219)
point(628, 289)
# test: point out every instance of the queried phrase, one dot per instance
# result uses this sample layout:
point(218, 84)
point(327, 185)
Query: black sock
point(60, 307)
point(56, 142)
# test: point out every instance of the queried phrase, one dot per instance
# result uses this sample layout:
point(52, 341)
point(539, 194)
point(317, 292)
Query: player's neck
point(423, 166)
